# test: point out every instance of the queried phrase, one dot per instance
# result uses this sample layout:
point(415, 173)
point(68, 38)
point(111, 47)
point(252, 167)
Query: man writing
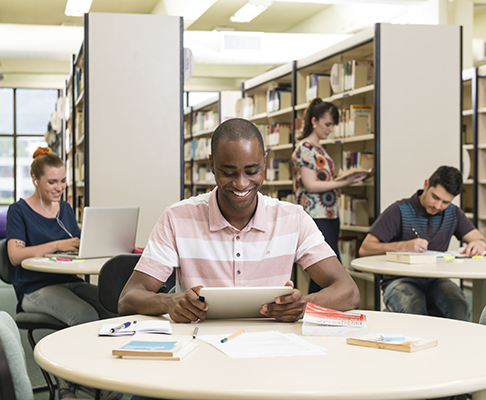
point(235, 236)
point(426, 221)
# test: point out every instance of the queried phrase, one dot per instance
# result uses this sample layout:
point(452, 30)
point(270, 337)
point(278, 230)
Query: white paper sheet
point(263, 344)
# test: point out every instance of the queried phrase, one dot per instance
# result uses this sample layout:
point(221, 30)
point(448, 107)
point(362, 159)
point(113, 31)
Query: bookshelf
point(123, 132)
point(473, 142)
point(269, 102)
point(415, 113)
point(200, 121)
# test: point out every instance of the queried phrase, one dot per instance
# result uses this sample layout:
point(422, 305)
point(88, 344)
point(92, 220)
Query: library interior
point(349, 145)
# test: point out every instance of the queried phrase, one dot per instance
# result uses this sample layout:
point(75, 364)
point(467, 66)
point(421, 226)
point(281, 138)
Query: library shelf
point(482, 110)
point(206, 132)
point(469, 146)
point(469, 215)
point(80, 141)
point(79, 99)
point(279, 147)
point(468, 182)
point(467, 112)
point(278, 183)
point(284, 111)
point(208, 183)
point(258, 117)
point(355, 228)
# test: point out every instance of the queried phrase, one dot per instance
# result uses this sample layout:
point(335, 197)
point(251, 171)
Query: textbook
point(174, 350)
point(409, 344)
point(130, 328)
point(321, 321)
point(411, 258)
point(354, 171)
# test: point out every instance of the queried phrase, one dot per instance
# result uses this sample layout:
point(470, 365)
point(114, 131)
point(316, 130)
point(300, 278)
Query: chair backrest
point(4, 274)
point(14, 380)
point(114, 275)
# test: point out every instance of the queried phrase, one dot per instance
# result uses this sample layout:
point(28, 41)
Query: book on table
point(411, 258)
point(321, 321)
point(174, 348)
point(146, 326)
point(408, 344)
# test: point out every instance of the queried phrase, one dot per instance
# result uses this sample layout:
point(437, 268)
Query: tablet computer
point(240, 302)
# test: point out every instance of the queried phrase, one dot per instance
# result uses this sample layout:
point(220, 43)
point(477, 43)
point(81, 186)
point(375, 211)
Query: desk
point(468, 268)
point(90, 266)
point(455, 366)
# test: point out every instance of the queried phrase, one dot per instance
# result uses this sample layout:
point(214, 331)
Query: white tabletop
point(455, 366)
point(464, 268)
point(90, 266)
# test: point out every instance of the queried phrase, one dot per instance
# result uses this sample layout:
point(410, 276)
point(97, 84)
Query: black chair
point(114, 275)
point(30, 321)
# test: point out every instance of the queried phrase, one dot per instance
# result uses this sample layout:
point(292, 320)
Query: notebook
point(107, 231)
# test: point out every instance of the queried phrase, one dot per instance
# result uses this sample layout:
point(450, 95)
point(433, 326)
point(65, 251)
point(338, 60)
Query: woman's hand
point(68, 244)
point(355, 178)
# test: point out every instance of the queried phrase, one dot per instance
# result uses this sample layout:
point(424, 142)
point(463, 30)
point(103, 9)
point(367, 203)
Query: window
point(24, 119)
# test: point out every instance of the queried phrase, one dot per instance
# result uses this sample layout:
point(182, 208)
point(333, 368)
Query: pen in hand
point(121, 326)
point(416, 233)
point(194, 334)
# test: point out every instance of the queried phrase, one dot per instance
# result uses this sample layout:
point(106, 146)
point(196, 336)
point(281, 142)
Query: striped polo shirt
point(194, 237)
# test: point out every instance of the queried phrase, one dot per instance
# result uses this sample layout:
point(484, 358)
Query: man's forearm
point(140, 301)
point(338, 296)
point(379, 248)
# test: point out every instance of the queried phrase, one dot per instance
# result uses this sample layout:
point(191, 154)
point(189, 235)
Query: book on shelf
point(321, 321)
point(317, 85)
point(353, 210)
point(278, 169)
point(351, 75)
point(278, 134)
point(411, 258)
point(360, 120)
point(173, 348)
point(278, 99)
point(146, 326)
point(407, 344)
point(348, 249)
point(357, 160)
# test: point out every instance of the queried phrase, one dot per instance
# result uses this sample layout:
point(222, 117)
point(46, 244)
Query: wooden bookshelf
point(200, 121)
point(124, 130)
point(404, 128)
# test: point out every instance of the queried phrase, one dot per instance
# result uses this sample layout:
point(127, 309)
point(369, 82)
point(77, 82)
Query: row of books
point(251, 105)
point(79, 80)
point(275, 134)
point(317, 85)
point(351, 75)
point(79, 132)
point(354, 121)
point(202, 174)
point(278, 169)
point(205, 121)
point(79, 167)
point(197, 148)
point(357, 160)
point(353, 210)
point(348, 249)
point(278, 99)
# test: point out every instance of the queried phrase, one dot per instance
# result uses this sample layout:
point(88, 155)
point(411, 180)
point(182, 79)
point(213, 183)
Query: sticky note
point(395, 337)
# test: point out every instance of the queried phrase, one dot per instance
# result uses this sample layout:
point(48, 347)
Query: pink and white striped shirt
point(193, 236)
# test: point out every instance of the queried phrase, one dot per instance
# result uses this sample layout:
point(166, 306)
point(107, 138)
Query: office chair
point(30, 321)
point(114, 275)
point(14, 380)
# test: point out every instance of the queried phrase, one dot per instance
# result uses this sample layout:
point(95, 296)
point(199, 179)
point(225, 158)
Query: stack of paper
point(321, 321)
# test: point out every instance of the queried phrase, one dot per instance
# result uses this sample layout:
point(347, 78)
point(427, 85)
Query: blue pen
point(121, 326)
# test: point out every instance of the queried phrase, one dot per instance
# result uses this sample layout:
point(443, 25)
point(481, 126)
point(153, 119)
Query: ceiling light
point(250, 10)
point(77, 8)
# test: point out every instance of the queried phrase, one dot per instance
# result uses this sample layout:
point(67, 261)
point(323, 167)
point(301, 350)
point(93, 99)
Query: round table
point(90, 266)
point(455, 366)
point(464, 268)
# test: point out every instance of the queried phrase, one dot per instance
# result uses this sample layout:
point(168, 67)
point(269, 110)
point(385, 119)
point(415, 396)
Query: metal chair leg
point(50, 386)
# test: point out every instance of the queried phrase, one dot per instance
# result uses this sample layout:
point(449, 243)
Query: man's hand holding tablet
point(286, 308)
point(187, 307)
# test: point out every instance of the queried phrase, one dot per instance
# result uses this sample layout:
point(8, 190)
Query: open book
point(174, 349)
point(147, 326)
point(408, 344)
point(354, 171)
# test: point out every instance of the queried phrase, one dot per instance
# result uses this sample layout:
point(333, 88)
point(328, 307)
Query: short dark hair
point(449, 177)
point(236, 129)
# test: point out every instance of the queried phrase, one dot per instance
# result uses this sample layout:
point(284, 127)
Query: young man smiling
point(426, 221)
point(235, 236)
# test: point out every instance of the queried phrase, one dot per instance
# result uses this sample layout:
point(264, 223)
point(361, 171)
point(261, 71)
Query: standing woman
point(315, 187)
point(42, 224)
